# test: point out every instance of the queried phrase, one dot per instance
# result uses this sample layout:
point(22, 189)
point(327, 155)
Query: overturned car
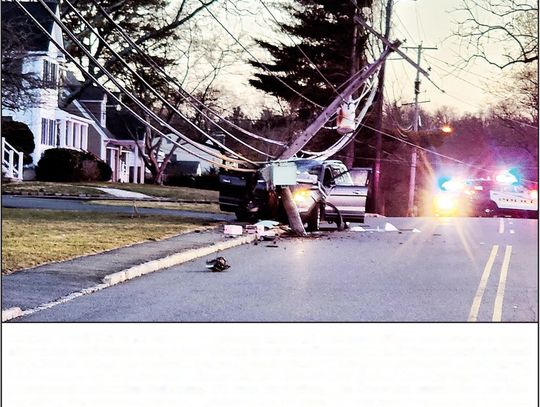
point(322, 191)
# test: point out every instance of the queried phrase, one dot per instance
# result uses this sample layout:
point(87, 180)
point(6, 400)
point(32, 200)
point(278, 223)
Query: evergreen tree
point(324, 31)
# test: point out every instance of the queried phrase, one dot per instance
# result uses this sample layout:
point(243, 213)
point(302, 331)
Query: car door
point(233, 190)
point(348, 194)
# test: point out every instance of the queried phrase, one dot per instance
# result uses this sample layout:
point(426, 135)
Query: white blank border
point(372, 365)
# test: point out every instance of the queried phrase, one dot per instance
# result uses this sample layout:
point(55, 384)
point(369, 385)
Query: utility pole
point(412, 178)
point(350, 149)
point(379, 112)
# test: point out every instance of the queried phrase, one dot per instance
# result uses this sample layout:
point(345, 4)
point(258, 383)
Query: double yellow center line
point(499, 298)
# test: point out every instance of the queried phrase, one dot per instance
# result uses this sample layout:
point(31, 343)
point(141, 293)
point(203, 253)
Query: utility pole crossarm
point(321, 120)
point(359, 20)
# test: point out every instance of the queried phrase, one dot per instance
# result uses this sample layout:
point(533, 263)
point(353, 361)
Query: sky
point(427, 22)
point(432, 23)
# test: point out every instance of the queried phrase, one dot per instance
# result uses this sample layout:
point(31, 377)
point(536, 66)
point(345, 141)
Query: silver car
point(329, 191)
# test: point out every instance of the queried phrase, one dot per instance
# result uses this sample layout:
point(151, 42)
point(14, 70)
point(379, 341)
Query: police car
point(502, 196)
point(515, 200)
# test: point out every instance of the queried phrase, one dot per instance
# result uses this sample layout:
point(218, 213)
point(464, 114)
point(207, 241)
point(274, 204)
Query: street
point(432, 269)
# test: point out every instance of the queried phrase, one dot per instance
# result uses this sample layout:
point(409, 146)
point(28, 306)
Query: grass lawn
point(33, 237)
point(160, 191)
point(163, 191)
point(50, 188)
point(205, 207)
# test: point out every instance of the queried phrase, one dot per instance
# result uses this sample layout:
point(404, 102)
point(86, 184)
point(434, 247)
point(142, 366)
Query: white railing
point(12, 161)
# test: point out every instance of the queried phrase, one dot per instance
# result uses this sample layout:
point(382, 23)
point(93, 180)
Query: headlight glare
point(302, 197)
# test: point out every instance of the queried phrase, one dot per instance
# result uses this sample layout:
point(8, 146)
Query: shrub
point(20, 137)
point(65, 165)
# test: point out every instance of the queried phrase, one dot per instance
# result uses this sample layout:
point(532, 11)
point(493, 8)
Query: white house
point(114, 135)
point(83, 125)
point(51, 126)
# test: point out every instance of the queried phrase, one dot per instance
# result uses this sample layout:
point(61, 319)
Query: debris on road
point(233, 230)
point(388, 227)
point(218, 264)
point(267, 224)
point(357, 229)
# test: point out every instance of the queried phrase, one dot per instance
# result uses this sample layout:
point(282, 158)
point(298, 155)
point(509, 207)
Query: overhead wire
point(130, 95)
point(260, 63)
point(160, 97)
point(302, 52)
point(184, 93)
point(347, 138)
point(119, 101)
point(480, 88)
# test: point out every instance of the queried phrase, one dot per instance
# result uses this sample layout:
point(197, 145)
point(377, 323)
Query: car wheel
point(314, 220)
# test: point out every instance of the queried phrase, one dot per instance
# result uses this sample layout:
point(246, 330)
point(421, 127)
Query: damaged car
point(323, 191)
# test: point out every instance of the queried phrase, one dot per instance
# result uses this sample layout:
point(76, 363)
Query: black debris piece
point(217, 264)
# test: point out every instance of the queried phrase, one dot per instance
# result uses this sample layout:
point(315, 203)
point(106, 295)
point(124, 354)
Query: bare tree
point(501, 32)
point(18, 86)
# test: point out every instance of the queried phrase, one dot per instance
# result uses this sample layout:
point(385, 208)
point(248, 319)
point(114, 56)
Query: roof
point(35, 40)
point(123, 125)
point(92, 92)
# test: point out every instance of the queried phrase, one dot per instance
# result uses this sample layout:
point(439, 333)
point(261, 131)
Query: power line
point(180, 135)
point(173, 108)
point(302, 51)
point(175, 81)
point(260, 63)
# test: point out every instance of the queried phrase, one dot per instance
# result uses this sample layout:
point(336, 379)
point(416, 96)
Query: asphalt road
point(15, 201)
point(449, 269)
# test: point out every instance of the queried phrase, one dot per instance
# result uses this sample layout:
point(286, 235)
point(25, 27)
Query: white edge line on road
point(501, 225)
point(133, 272)
point(473, 315)
point(499, 298)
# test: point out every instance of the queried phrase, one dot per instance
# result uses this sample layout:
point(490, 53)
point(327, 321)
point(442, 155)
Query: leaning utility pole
point(298, 143)
point(412, 177)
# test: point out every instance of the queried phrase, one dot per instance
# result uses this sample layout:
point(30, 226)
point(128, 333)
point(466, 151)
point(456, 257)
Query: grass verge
point(33, 237)
point(162, 191)
point(50, 188)
point(206, 207)
point(76, 189)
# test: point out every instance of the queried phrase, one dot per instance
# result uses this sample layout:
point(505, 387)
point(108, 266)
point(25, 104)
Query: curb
point(11, 313)
point(133, 272)
point(173, 260)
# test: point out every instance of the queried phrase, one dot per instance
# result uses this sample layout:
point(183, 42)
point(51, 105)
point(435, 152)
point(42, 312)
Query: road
point(15, 201)
point(448, 269)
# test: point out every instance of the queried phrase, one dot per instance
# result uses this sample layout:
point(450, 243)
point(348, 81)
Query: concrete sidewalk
point(44, 286)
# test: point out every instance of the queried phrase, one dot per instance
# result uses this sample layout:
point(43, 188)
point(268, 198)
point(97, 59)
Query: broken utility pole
point(288, 203)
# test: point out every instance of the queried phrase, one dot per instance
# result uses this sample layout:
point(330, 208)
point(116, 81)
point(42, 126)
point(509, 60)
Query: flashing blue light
point(442, 182)
point(450, 184)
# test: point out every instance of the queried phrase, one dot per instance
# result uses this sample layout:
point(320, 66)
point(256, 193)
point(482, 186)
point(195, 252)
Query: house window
point(51, 133)
point(44, 130)
point(48, 132)
point(50, 74)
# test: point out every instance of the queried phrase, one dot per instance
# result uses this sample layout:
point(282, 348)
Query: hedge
point(66, 165)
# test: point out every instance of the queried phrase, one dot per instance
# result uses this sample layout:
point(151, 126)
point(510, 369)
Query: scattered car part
point(218, 264)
